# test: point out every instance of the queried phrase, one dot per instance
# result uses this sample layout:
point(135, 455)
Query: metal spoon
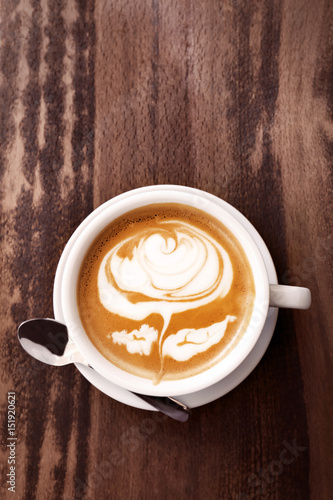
point(47, 340)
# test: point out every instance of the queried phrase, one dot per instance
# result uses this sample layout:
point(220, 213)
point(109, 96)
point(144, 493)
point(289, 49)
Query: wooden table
point(233, 97)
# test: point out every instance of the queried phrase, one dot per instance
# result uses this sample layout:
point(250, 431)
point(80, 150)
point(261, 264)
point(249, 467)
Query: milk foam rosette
point(173, 267)
point(168, 269)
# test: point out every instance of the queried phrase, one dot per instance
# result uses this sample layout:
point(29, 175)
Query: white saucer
point(228, 383)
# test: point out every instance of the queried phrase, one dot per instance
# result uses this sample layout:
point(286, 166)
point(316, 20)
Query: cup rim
point(92, 229)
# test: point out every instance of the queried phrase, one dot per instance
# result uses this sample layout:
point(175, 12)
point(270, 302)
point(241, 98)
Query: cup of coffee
point(165, 293)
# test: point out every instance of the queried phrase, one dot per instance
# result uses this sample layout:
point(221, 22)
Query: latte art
point(174, 262)
point(159, 292)
point(173, 267)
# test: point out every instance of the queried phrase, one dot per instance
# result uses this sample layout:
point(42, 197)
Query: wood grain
point(229, 96)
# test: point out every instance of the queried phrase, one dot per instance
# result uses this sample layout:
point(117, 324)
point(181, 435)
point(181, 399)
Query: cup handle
point(291, 297)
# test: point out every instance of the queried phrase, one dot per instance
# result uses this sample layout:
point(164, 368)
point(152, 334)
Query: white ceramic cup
point(267, 295)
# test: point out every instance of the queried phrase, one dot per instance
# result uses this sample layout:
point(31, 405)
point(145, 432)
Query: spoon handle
point(167, 405)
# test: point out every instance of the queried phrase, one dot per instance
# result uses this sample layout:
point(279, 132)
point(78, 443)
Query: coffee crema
point(165, 291)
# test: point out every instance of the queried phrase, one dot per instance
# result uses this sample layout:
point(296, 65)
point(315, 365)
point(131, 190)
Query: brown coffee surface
point(192, 314)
